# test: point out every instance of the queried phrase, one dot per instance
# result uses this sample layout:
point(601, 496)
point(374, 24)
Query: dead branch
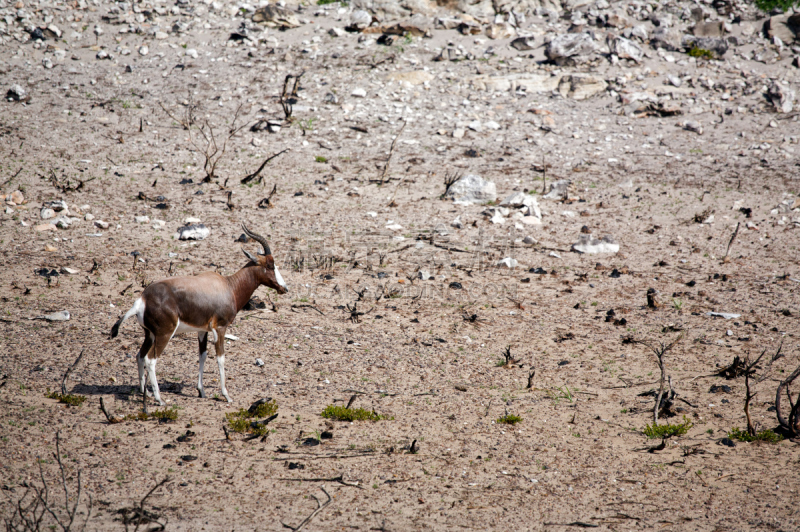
point(30, 516)
point(111, 419)
point(10, 179)
point(750, 371)
point(730, 243)
point(391, 152)
point(266, 203)
point(141, 516)
point(255, 174)
point(791, 425)
point(660, 349)
point(69, 370)
point(338, 479)
point(320, 507)
point(449, 181)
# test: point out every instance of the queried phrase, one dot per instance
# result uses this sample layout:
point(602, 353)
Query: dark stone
point(456, 286)
point(728, 442)
point(720, 388)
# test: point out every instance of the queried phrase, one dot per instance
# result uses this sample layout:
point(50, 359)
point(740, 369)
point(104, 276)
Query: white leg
point(203, 355)
point(221, 364)
point(142, 376)
point(151, 373)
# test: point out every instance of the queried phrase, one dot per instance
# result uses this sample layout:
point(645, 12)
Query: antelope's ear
point(250, 256)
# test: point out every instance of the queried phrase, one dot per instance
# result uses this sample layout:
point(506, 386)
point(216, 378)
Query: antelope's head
point(266, 271)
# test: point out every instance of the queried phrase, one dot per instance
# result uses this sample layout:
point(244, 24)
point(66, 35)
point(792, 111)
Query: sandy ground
point(578, 456)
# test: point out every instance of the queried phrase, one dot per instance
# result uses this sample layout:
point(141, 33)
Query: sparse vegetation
point(668, 430)
point(701, 53)
point(509, 419)
point(68, 399)
point(242, 421)
point(765, 435)
point(342, 413)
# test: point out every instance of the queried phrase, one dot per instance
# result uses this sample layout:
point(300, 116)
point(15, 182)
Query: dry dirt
point(579, 454)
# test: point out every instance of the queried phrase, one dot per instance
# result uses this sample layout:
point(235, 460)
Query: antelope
point(206, 303)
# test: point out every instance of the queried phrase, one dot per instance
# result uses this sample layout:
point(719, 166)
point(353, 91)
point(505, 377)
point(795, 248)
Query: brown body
point(206, 303)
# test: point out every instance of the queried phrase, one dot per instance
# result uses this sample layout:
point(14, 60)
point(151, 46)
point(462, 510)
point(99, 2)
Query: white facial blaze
point(280, 279)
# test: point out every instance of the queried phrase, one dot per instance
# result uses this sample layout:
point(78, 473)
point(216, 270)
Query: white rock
point(459, 133)
point(457, 223)
point(587, 244)
point(101, 224)
point(46, 213)
point(144, 50)
point(497, 218)
point(189, 220)
point(531, 220)
point(62, 315)
point(569, 214)
point(472, 189)
point(88, 217)
point(529, 240)
point(559, 190)
point(394, 227)
point(141, 219)
point(259, 363)
point(491, 124)
point(191, 52)
point(508, 262)
point(526, 201)
point(372, 214)
point(69, 271)
point(475, 126)
point(358, 92)
point(193, 232)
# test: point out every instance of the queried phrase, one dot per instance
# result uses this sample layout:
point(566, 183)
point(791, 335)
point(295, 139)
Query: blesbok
point(205, 303)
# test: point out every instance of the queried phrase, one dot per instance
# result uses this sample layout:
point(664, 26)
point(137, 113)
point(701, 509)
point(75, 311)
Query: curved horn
point(258, 238)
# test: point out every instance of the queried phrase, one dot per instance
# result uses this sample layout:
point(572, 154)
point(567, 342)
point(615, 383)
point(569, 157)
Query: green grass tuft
point(341, 413)
point(701, 53)
point(321, 159)
point(242, 420)
point(668, 430)
point(69, 399)
point(765, 435)
point(509, 419)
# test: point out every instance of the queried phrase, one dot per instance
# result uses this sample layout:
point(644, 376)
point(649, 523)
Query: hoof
point(201, 393)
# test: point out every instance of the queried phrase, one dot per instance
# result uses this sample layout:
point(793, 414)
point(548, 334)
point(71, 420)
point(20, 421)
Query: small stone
point(693, 126)
point(191, 52)
point(144, 50)
point(193, 232)
point(529, 240)
point(508, 262)
point(141, 219)
point(424, 275)
point(674, 80)
point(47, 63)
point(589, 245)
point(44, 227)
point(88, 217)
point(17, 94)
point(101, 224)
point(69, 271)
point(62, 315)
point(459, 133)
point(17, 197)
point(337, 32)
point(472, 189)
point(358, 93)
point(523, 44)
point(47, 214)
point(259, 363)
